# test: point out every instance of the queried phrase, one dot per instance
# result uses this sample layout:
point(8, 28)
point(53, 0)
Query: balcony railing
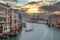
point(2, 21)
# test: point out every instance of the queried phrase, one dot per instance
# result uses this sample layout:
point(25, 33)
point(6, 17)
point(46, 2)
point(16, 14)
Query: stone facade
point(54, 20)
point(9, 19)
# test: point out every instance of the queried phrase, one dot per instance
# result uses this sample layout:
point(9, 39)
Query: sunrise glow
point(32, 10)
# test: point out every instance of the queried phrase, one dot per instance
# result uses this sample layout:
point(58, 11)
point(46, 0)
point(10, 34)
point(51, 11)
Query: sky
point(26, 1)
point(22, 1)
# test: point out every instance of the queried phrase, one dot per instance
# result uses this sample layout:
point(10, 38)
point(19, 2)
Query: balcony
point(2, 10)
point(2, 20)
point(2, 14)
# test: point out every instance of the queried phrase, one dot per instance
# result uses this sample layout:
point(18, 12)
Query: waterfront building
point(3, 18)
point(54, 20)
point(10, 19)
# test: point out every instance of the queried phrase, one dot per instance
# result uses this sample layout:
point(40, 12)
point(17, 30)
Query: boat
point(13, 34)
point(28, 28)
point(3, 35)
point(24, 25)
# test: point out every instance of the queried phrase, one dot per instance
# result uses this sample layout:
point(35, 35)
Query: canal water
point(39, 32)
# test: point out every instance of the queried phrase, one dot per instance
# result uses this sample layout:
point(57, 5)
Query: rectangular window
point(14, 21)
point(2, 9)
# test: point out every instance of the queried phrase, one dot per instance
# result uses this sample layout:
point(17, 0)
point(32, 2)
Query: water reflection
point(13, 38)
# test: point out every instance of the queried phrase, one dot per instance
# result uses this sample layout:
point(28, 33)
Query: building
point(16, 20)
point(3, 17)
point(39, 18)
point(54, 20)
point(10, 19)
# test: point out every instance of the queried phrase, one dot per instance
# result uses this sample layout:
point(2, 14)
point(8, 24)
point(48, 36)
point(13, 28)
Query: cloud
point(43, 0)
point(34, 0)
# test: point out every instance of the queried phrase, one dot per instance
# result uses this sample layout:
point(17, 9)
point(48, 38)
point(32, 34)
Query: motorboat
point(28, 28)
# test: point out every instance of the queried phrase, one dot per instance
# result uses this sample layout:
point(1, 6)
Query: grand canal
point(39, 32)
